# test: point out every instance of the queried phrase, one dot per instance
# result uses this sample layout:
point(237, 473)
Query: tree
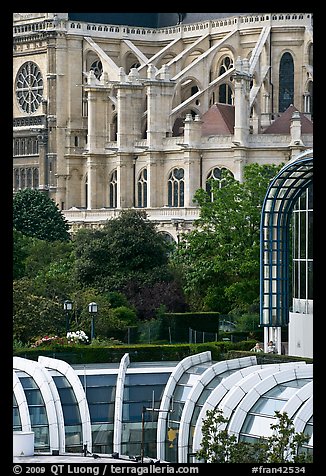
point(35, 214)
point(127, 249)
point(283, 446)
point(33, 315)
point(219, 259)
point(20, 253)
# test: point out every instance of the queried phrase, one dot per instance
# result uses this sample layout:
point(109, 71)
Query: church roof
point(282, 124)
point(218, 120)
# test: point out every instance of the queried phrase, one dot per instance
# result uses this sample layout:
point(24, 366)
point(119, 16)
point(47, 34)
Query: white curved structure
point(42, 380)
point(179, 370)
point(125, 361)
point(204, 381)
point(110, 398)
point(66, 370)
point(20, 397)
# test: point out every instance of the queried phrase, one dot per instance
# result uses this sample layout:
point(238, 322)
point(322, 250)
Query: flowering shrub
point(48, 340)
point(78, 337)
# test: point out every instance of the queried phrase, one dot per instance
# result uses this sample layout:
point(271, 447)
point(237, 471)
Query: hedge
point(85, 354)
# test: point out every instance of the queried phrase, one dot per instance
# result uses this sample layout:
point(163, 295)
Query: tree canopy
point(36, 214)
point(219, 259)
point(128, 248)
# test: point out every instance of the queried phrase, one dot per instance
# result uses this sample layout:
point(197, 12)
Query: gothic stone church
point(139, 110)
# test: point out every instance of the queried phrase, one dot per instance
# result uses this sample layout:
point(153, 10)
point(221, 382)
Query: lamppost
point(67, 306)
point(92, 309)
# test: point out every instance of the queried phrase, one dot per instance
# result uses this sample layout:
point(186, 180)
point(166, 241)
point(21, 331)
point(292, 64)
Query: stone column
point(42, 139)
point(125, 175)
point(155, 180)
point(129, 102)
point(191, 176)
point(241, 101)
point(159, 105)
point(97, 98)
point(295, 129)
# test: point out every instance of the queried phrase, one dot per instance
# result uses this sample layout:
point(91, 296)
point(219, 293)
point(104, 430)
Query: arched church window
point(286, 82)
point(219, 176)
point(176, 188)
point(142, 189)
point(35, 178)
point(97, 68)
point(113, 189)
point(225, 90)
point(226, 63)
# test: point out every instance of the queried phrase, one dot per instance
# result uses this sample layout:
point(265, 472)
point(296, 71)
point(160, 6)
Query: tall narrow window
point(86, 191)
point(302, 245)
point(176, 188)
point(217, 175)
point(286, 82)
point(113, 189)
point(142, 189)
point(35, 178)
point(225, 90)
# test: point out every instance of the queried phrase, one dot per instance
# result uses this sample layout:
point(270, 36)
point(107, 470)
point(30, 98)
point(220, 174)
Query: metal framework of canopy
point(282, 194)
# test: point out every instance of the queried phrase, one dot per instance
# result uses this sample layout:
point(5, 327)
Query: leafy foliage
point(283, 446)
point(127, 249)
point(149, 299)
point(35, 214)
point(34, 315)
point(219, 259)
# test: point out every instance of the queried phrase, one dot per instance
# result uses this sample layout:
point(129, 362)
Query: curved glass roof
point(68, 407)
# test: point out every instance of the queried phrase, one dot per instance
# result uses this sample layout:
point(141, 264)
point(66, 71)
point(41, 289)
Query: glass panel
point(102, 412)
point(158, 378)
point(302, 235)
point(282, 391)
point(28, 382)
point(310, 235)
point(170, 193)
point(310, 280)
point(38, 415)
point(41, 437)
point(175, 194)
point(295, 279)
point(267, 406)
point(99, 380)
point(175, 415)
point(286, 82)
point(182, 186)
point(67, 396)
point(139, 188)
point(34, 397)
point(100, 394)
point(133, 412)
point(102, 434)
point(16, 417)
point(145, 195)
point(258, 425)
point(203, 397)
point(189, 379)
point(143, 393)
point(303, 266)
point(181, 393)
point(71, 414)
point(73, 435)
point(60, 381)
